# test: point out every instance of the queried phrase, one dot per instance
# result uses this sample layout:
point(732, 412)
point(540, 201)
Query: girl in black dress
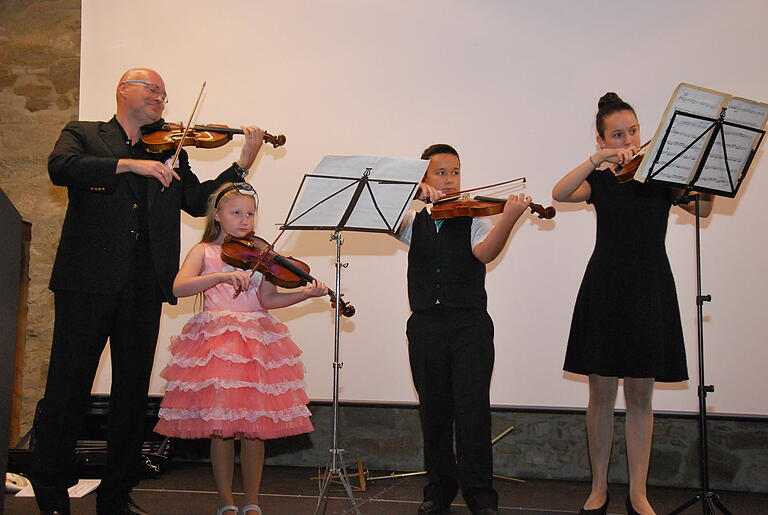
point(626, 322)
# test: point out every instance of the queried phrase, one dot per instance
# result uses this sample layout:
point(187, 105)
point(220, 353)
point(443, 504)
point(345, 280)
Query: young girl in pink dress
point(235, 371)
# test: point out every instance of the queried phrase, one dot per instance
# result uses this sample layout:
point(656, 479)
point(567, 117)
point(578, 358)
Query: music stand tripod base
point(360, 475)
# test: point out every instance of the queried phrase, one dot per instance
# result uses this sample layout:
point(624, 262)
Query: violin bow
point(189, 124)
point(458, 194)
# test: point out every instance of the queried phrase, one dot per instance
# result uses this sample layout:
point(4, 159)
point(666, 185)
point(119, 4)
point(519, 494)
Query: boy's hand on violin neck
point(148, 168)
point(254, 139)
point(516, 205)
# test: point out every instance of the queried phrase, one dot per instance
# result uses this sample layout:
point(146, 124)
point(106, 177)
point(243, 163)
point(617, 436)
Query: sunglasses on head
point(243, 188)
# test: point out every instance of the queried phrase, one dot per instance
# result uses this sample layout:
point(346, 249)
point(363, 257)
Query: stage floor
point(187, 489)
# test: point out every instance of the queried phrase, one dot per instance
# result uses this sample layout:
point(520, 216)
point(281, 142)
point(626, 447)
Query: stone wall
point(39, 83)
point(544, 444)
point(39, 76)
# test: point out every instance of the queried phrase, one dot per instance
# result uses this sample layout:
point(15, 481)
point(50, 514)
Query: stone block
point(747, 440)
point(65, 74)
point(666, 465)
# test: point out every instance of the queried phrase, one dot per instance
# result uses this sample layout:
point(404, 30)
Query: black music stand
point(727, 183)
point(719, 179)
point(351, 193)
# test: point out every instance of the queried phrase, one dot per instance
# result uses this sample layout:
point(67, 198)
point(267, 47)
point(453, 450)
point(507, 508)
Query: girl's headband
point(243, 188)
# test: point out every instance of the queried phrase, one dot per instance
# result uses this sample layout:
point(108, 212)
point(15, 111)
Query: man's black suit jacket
point(102, 223)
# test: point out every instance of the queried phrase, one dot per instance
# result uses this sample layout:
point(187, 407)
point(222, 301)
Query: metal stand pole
point(710, 500)
point(335, 466)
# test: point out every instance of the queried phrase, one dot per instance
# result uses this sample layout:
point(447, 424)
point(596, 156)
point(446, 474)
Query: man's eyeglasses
point(154, 89)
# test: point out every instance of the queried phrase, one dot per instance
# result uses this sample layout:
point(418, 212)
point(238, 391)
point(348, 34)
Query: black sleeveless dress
point(626, 322)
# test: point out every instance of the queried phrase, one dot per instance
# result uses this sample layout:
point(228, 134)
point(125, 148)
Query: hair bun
point(609, 98)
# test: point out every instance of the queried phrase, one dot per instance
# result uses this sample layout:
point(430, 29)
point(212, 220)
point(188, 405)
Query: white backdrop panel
point(514, 86)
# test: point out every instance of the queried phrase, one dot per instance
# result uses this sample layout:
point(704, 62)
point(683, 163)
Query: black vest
point(441, 265)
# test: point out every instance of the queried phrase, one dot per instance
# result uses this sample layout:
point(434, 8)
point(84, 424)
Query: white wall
point(514, 86)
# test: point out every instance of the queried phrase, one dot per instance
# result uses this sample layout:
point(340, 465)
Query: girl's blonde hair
point(212, 228)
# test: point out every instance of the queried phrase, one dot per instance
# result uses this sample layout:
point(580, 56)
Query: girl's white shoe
point(15, 482)
point(250, 507)
point(227, 508)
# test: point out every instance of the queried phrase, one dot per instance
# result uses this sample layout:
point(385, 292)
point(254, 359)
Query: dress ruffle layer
point(264, 426)
point(234, 374)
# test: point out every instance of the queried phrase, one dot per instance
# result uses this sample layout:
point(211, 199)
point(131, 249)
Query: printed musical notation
point(697, 102)
point(685, 139)
point(746, 112)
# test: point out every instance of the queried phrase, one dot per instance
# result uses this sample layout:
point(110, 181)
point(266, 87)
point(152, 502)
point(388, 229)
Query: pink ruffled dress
point(235, 371)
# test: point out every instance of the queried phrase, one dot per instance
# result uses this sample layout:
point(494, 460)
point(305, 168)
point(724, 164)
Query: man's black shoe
point(131, 508)
point(51, 500)
point(432, 508)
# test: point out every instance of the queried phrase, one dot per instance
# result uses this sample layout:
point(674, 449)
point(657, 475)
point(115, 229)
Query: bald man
point(115, 265)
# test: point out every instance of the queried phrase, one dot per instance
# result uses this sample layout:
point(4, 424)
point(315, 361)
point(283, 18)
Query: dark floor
point(188, 489)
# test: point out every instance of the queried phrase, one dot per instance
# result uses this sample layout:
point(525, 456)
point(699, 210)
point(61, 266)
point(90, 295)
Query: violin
point(626, 172)
point(168, 136)
point(481, 206)
point(254, 253)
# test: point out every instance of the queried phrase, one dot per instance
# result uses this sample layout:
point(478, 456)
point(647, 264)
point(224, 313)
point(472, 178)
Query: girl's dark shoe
point(630, 509)
point(602, 510)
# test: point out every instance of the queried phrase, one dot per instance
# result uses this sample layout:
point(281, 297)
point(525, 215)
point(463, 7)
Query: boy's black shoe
point(130, 508)
point(432, 508)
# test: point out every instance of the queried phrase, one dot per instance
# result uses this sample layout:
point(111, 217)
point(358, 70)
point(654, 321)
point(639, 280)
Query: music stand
point(351, 193)
point(696, 150)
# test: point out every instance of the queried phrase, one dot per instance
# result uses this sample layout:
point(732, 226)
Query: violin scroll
point(345, 309)
point(275, 141)
point(547, 213)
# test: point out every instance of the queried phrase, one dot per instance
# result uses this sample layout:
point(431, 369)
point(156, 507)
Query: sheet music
point(684, 130)
point(326, 193)
point(746, 112)
point(739, 143)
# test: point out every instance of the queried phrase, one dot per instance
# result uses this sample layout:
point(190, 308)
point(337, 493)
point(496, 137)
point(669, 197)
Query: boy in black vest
point(450, 337)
